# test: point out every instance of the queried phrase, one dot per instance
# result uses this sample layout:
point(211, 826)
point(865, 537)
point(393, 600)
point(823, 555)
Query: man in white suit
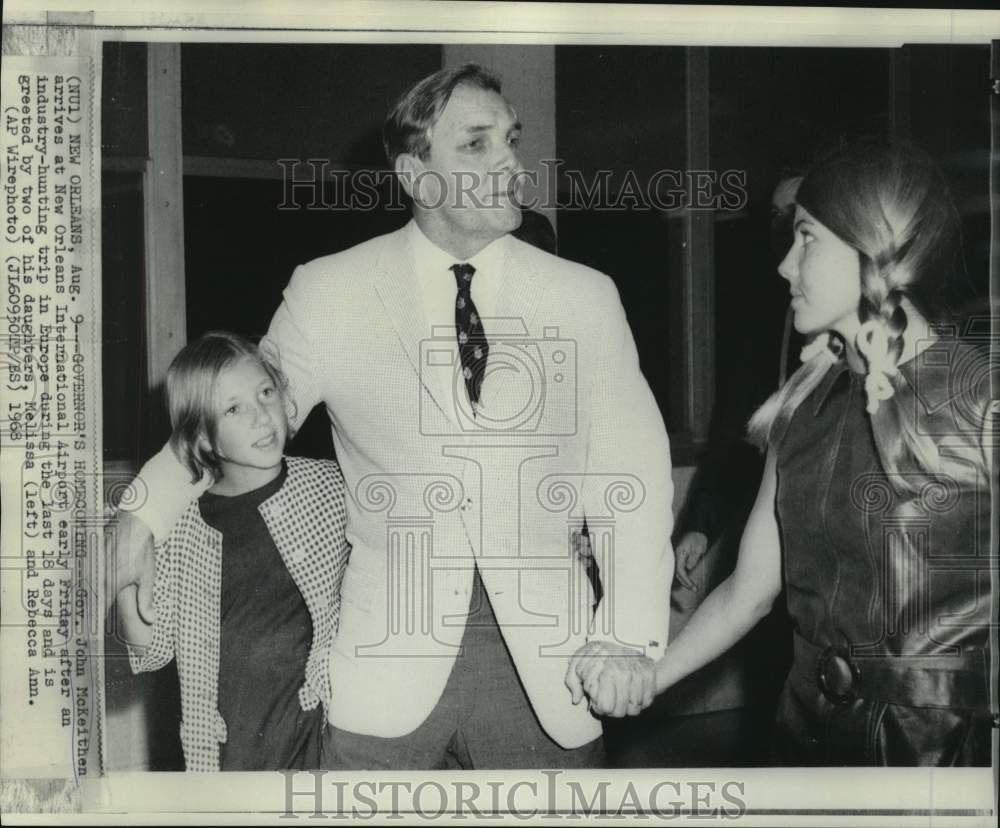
point(485, 398)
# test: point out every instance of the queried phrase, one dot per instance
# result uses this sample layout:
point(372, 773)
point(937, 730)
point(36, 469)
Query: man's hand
point(618, 680)
point(689, 554)
point(130, 567)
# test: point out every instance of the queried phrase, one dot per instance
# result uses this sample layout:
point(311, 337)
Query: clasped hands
point(618, 680)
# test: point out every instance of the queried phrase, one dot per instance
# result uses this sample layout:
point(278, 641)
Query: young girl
point(876, 488)
point(247, 592)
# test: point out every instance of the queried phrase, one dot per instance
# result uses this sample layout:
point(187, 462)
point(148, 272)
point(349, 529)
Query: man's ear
point(408, 169)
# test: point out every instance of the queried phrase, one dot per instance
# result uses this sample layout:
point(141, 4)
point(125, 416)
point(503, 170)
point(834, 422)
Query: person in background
point(781, 237)
point(712, 507)
point(720, 715)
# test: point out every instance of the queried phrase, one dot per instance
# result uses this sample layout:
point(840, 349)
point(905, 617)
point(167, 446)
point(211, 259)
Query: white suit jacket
point(568, 429)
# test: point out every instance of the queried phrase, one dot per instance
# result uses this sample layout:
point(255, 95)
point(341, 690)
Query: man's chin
point(501, 223)
point(495, 223)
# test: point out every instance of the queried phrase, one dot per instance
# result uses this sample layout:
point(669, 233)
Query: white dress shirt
point(439, 289)
point(437, 283)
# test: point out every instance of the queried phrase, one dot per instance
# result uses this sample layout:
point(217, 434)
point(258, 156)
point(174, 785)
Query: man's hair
point(407, 128)
point(191, 381)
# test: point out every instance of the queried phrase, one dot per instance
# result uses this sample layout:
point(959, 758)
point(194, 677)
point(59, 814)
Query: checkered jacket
point(306, 519)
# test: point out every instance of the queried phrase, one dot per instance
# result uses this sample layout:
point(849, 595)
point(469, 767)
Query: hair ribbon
point(873, 343)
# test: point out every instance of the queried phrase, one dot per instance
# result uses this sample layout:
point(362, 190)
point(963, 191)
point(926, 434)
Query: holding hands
point(618, 680)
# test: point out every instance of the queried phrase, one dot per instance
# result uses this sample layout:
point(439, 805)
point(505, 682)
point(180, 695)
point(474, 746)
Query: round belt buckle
point(837, 675)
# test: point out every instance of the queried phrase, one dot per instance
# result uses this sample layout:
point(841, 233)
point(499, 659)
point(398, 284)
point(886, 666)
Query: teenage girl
point(875, 503)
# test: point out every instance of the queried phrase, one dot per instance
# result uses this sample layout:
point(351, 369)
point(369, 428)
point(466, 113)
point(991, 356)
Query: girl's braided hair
point(891, 203)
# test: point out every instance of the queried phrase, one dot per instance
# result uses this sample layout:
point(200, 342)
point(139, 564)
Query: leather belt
point(945, 681)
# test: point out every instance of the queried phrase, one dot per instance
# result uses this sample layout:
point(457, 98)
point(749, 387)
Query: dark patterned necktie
point(473, 348)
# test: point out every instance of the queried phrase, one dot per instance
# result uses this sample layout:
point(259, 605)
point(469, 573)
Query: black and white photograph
point(602, 401)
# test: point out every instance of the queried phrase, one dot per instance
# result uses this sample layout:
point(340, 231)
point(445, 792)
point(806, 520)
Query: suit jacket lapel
point(521, 291)
point(396, 287)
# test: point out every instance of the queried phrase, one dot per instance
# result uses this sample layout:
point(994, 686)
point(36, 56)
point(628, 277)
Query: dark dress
point(266, 633)
point(889, 588)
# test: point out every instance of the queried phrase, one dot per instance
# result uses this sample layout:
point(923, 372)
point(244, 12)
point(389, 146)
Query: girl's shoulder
point(305, 465)
point(950, 383)
point(314, 493)
point(314, 473)
point(190, 531)
point(948, 391)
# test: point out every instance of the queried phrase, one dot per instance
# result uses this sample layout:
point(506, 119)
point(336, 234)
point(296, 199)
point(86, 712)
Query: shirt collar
point(834, 375)
point(432, 259)
point(931, 366)
point(829, 382)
